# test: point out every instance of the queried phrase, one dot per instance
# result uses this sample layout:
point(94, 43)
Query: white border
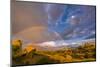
point(5, 33)
point(89, 2)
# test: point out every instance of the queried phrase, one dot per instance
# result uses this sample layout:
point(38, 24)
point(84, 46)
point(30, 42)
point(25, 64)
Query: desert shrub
point(75, 55)
point(79, 55)
point(16, 45)
point(90, 55)
point(69, 51)
point(46, 60)
point(69, 58)
point(16, 50)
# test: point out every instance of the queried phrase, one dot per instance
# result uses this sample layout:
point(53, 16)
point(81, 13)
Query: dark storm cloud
point(27, 14)
point(41, 22)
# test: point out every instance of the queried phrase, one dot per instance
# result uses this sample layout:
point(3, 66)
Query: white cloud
point(48, 44)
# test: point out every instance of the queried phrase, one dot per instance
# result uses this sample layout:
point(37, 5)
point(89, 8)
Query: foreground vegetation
point(30, 55)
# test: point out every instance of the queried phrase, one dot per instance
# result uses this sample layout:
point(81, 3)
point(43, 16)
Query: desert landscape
point(33, 54)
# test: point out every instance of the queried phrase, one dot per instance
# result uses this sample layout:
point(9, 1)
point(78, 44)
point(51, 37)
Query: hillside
point(32, 55)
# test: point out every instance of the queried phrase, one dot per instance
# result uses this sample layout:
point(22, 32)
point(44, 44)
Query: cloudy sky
point(41, 22)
